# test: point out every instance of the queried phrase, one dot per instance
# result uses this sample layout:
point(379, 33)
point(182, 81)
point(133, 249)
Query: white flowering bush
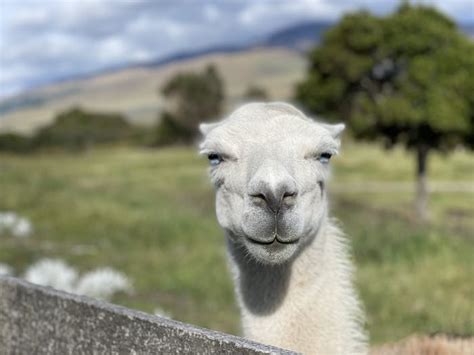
point(100, 283)
point(12, 223)
point(103, 283)
point(54, 273)
point(5, 270)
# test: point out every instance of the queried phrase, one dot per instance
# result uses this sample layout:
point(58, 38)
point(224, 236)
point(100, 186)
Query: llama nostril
point(258, 197)
point(288, 199)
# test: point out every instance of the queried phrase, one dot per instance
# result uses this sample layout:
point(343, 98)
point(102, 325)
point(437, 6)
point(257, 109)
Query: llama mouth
point(267, 250)
point(275, 241)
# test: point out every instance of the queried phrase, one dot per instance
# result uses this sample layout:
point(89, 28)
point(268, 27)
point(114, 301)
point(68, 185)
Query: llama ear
point(205, 128)
point(334, 129)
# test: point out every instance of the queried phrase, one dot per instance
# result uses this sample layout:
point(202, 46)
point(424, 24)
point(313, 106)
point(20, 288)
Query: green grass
point(150, 214)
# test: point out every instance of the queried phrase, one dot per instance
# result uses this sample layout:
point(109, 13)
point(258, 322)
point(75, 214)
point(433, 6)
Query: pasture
point(150, 215)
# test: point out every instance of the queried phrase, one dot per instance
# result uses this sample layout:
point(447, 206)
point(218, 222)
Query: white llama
point(292, 273)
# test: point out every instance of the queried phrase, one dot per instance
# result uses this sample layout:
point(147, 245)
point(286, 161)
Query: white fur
point(291, 268)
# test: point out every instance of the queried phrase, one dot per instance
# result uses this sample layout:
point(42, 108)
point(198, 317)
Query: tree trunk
point(421, 201)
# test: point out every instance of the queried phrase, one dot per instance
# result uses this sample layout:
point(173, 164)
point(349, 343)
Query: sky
point(45, 40)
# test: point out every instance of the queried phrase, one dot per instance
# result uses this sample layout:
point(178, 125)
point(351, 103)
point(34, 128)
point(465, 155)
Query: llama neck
point(307, 305)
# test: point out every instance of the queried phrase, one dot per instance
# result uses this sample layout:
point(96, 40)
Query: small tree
point(256, 93)
point(407, 78)
point(191, 99)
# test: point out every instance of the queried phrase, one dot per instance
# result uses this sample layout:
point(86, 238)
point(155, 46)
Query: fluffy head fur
point(269, 165)
point(270, 180)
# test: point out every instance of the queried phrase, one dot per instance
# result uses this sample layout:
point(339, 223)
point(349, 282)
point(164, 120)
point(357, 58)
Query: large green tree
point(407, 78)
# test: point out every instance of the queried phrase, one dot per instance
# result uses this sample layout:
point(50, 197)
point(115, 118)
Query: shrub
point(15, 143)
point(77, 129)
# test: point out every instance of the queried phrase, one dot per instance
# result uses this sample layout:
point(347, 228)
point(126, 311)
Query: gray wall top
point(41, 320)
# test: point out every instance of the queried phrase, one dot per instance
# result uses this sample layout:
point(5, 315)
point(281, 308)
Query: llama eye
point(214, 159)
point(324, 158)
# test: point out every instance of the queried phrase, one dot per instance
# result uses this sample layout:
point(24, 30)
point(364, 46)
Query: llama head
point(269, 163)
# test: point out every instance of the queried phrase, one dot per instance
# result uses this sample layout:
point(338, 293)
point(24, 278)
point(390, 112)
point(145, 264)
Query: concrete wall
point(39, 320)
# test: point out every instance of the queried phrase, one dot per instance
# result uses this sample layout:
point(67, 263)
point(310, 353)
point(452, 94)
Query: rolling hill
point(135, 91)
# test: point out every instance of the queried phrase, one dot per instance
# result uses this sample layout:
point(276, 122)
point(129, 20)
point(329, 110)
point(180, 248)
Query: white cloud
point(44, 40)
point(173, 29)
point(112, 50)
point(211, 12)
point(258, 12)
point(141, 55)
point(27, 18)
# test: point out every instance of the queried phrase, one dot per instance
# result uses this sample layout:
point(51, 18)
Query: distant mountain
point(299, 37)
point(295, 37)
point(32, 99)
point(302, 36)
point(196, 53)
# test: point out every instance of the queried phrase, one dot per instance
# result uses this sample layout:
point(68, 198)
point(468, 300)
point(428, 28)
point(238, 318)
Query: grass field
point(150, 214)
